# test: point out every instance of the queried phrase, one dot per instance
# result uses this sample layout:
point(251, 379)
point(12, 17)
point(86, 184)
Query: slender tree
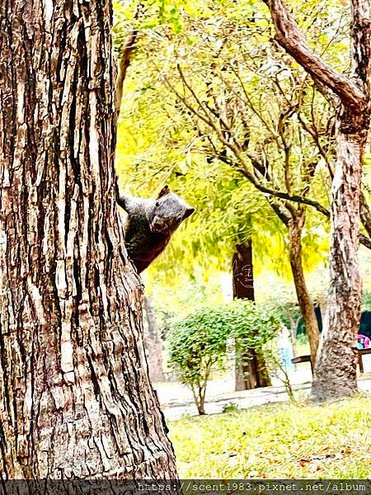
point(75, 398)
point(335, 370)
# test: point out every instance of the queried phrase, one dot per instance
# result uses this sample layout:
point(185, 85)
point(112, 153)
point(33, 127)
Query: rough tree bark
point(75, 398)
point(335, 370)
point(252, 372)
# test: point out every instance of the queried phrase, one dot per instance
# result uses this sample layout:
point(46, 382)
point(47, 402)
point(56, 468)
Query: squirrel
point(151, 223)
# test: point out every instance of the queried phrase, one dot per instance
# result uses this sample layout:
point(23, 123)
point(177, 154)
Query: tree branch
point(365, 214)
point(291, 38)
point(125, 59)
point(241, 162)
point(280, 212)
point(363, 239)
point(282, 195)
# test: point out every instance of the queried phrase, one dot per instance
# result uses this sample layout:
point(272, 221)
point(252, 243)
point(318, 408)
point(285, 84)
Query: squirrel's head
point(169, 212)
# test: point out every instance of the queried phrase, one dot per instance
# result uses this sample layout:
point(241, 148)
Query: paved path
point(176, 400)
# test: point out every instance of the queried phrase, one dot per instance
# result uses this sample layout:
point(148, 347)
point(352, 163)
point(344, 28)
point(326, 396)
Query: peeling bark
point(335, 370)
point(75, 398)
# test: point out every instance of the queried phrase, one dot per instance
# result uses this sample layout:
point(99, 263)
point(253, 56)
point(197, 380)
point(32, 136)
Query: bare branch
point(329, 96)
point(282, 195)
point(280, 212)
point(281, 128)
point(243, 161)
point(313, 132)
point(250, 104)
point(241, 165)
point(125, 59)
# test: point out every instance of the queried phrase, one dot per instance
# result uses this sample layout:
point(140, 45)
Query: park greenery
point(216, 103)
point(199, 343)
point(255, 112)
point(214, 107)
point(302, 441)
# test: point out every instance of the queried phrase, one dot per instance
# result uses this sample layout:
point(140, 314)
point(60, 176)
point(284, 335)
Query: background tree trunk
point(152, 342)
point(251, 372)
point(75, 398)
point(243, 274)
point(295, 227)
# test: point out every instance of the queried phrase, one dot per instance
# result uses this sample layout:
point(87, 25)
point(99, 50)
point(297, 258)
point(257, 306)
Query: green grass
point(277, 441)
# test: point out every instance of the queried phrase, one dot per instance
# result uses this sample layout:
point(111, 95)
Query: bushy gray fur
point(151, 223)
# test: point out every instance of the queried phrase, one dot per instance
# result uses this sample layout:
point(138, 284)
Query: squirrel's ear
point(165, 190)
point(188, 212)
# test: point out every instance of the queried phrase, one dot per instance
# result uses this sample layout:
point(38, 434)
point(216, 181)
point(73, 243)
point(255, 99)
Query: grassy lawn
point(277, 441)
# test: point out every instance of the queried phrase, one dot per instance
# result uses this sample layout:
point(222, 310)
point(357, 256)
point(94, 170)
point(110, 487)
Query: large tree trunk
point(335, 370)
point(75, 398)
point(251, 372)
point(295, 226)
